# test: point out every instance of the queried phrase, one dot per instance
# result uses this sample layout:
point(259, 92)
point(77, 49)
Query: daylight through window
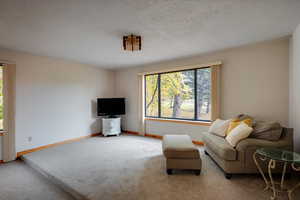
point(182, 94)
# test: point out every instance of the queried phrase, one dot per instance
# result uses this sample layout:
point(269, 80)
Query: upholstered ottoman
point(181, 153)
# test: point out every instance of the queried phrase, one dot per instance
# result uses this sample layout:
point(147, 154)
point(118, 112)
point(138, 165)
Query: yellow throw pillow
point(237, 122)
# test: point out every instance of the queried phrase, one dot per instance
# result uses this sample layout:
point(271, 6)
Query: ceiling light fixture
point(132, 43)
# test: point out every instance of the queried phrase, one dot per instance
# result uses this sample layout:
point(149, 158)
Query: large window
point(182, 94)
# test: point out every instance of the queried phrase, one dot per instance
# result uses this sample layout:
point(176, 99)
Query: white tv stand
point(111, 126)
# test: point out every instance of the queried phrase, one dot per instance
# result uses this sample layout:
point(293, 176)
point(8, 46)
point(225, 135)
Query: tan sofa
point(239, 160)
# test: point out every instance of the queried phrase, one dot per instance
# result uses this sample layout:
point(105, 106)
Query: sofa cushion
point(179, 146)
point(219, 146)
point(219, 127)
point(239, 133)
point(267, 131)
point(234, 123)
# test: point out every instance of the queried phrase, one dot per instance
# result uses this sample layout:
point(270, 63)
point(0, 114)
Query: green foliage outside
point(176, 90)
point(152, 95)
point(177, 94)
point(204, 93)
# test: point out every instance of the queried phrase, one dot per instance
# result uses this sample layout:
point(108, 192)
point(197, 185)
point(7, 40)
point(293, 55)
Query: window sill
point(199, 123)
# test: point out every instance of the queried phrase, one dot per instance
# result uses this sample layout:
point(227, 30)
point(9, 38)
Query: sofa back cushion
point(271, 131)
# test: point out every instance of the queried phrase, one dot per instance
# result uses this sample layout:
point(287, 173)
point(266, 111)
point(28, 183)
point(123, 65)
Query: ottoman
point(181, 153)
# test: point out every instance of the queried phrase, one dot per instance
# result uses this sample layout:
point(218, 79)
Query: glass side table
point(274, 156)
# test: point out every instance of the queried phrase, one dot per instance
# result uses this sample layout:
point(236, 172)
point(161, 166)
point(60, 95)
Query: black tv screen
point(110, 106)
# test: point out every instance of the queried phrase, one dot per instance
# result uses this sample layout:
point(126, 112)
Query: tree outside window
point(179, 95)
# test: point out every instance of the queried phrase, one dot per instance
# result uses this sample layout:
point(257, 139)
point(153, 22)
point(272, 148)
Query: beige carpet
point(132, 167)
point(20, 182)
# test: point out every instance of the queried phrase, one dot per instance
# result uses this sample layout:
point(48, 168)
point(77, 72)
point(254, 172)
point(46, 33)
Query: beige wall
point(295, 88)
point(55, 99)
point(254, 80)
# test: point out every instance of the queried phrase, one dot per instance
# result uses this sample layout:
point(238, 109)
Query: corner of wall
point(290, 120)
point(294, 107)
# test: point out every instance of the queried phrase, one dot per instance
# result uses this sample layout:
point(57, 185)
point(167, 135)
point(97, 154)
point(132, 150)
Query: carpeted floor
point(20, 182)
point(133, 167)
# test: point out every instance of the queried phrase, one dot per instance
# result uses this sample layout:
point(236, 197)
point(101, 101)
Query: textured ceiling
point(90, 31)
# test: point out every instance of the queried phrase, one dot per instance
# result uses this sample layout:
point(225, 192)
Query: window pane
point(151, 95)
point(177, 95)
point(1, 97)
point(203, 94)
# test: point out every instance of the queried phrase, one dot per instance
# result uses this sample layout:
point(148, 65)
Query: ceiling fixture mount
point(132, 43)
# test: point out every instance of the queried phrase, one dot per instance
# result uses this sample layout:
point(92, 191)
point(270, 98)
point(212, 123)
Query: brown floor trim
point(153, 136)
point(198, 142)
point(88, 136)
point(159, 136)
point(56, 144)
point(131, 132)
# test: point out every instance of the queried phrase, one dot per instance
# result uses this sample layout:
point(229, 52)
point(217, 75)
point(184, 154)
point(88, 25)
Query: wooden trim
point(177, 68)
point(93, 135)
point(131, 132)
point(153, 136)
point(88, 136)
point(159, 137)
point(56, 144)
point(198, 142)
point(179, 121)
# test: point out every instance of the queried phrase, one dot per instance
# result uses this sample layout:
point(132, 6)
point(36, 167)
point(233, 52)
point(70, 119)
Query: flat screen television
point(110, 106)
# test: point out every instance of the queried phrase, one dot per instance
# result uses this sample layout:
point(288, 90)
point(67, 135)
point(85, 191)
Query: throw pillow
point(239, 133)
point(237, 122)
point(242, 117)
point(219, 127)
point(267, 131)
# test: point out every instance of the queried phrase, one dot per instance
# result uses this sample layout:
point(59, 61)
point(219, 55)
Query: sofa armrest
point(258, 143)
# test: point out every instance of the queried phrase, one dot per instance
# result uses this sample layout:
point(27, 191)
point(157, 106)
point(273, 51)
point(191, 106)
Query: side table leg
point(297, 169)
point(283, 174)
point(261, 172)
point(272, 165)
point(292, 190)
